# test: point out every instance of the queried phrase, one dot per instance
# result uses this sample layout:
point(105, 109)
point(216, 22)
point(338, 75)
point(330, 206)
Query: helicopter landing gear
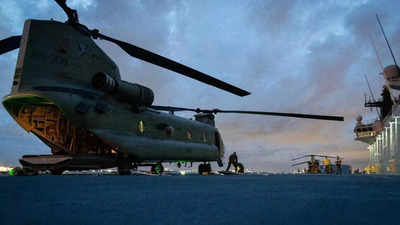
point(134, 167)
point(204, 168)
point(124, 166)
point(57, 172)
point(18, 171)
point(157, 169)
point(219, 162)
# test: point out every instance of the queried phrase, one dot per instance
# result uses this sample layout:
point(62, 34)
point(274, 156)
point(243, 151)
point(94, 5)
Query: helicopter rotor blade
point(296, 115)
point(169, 64)
point(215, 111)
point(171, 108)
point(322, 156)
point(304, 156)
point(151, 57)
point(71, 13)
point(9, 44)
point(296, 164)
point(325, 156)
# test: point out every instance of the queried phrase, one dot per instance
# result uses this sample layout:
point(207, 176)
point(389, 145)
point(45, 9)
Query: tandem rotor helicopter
point(70, 95)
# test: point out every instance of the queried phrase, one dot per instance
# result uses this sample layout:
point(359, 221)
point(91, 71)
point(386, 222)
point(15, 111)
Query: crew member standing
point(233, 160)
point(338, 165)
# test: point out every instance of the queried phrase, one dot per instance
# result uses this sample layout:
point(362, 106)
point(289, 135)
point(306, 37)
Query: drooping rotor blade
point(171, 108)
point(304, 156)
point(325, 156)
point(296, 164)
point(296, 115)
point(71, 13)
point(9, 44)
point(166, 63)
point(215, 111)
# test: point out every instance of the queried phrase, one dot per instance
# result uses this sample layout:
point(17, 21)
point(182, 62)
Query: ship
point(382, 135)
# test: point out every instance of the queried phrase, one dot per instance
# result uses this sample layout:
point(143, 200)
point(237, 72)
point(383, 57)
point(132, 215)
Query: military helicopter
point(70, 95)
point(313, 165)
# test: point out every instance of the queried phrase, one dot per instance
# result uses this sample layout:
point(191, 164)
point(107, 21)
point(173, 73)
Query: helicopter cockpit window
point(140, 127)
point(189, 135)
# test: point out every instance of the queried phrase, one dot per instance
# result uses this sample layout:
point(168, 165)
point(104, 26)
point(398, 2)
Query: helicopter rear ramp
point(44, 160)
point(67, 162)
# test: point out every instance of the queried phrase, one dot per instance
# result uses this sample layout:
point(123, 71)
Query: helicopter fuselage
point(53, 96)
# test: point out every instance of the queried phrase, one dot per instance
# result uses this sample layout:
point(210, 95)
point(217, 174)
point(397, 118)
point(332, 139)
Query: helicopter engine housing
point(124, 91)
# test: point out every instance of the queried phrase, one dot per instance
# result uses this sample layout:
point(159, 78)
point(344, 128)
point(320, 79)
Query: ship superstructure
point(382, 136)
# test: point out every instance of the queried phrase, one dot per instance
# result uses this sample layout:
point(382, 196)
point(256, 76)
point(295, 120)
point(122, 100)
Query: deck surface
point(274, 199)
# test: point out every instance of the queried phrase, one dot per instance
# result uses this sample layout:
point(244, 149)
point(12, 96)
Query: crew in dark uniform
point(233, 160)
point(310, 167)
point(338, 165)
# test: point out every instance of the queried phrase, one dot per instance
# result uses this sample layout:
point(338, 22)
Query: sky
point(293, 56)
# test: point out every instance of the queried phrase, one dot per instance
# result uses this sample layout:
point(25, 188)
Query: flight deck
point(272, 199)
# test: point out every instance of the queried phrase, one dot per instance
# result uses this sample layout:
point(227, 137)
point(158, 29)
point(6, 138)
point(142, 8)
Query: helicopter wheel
point(157, 169)
point(135, 167)
point(239, 168)
point(204, 168)
point(201, 169)
point(208, 168)
point(123, 171)
point(219, 162)
point(56, 171)
point(17, 171)
point(30, 172)
point(124, 167)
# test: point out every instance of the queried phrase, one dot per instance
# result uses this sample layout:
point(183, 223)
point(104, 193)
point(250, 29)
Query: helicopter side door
point(220, 145)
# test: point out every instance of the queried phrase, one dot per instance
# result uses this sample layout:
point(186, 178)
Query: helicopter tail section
point(53, 53)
